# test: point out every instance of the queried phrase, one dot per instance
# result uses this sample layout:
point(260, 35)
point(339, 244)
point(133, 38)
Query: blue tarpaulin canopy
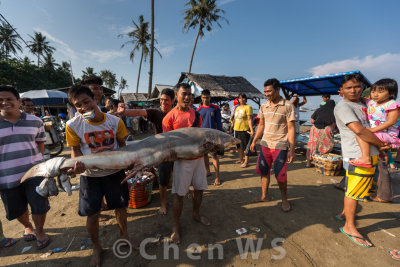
point(46, 97)
point(317, 85)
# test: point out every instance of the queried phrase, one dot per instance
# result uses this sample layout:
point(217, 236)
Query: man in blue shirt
point(211, 115)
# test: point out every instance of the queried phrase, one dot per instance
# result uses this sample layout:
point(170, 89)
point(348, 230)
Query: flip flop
point(352, 238)
point(29, 237)
point(397, 253)
point(358, 163)
point(44, 242)
point(377, 199)
point(8, 242)
point(340, 218)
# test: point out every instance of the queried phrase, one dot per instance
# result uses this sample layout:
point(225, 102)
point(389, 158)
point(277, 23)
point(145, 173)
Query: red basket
point(140, 193)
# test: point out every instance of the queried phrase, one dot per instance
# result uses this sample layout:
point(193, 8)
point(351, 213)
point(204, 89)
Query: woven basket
point(328, 164)
point(140, 193)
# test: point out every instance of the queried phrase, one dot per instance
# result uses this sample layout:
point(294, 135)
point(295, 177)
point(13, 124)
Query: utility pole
point(151, 49)
point(70, 72)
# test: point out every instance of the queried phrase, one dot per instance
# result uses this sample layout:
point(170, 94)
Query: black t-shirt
point(156, 116)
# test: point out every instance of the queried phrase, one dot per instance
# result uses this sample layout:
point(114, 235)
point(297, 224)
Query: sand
point(310, 233)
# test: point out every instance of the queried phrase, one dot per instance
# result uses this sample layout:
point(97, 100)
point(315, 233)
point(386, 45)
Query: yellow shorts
point(359, 180)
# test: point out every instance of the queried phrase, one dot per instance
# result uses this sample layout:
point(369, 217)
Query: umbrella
point(46, 97)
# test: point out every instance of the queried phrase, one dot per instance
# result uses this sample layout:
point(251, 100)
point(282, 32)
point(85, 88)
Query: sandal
point(352, 238)
point(377, 199)
point(238, 162)
point(29, 237)
point(359, 163)
point(41, 244)
point(7, 242)
point(396, 255)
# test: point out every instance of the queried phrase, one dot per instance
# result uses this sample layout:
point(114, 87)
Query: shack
point(222, 88)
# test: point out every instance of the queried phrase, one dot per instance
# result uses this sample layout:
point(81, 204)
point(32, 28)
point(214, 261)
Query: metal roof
point(318, 85)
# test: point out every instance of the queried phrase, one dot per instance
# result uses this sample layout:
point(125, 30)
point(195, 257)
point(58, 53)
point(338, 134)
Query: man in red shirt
point(186, 172)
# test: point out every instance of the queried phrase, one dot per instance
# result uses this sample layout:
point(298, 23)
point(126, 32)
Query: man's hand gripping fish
point(185, 143)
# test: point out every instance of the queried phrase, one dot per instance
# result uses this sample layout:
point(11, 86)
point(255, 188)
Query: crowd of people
point(367, 126)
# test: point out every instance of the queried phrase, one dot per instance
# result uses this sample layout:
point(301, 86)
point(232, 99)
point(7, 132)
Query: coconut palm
point(109, 78)
point(201, 14)
point(89, 71)
point(122, 86)
point(140, 38)
point(9, 41)
point(39, 45)
point(49, 61)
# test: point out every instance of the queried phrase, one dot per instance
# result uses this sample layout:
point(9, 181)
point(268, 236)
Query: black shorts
point(165, 172)
point(92, 190)
point(16, 199)
point(244, 138)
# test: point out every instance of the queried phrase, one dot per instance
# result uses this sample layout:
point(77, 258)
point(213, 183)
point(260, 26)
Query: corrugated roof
point(222, 87)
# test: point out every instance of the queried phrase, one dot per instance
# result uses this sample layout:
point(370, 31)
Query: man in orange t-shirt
point(186, 172)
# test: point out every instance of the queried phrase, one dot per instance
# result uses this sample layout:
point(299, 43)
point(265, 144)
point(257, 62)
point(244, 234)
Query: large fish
point(184, 143)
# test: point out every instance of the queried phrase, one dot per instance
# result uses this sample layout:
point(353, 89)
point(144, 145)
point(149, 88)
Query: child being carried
point(383, 113)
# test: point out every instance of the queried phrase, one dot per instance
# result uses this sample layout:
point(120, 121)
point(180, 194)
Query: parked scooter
point(54, 143)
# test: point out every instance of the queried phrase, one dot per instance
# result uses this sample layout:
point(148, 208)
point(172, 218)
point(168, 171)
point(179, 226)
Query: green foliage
point(26, 76)
point(109, 78)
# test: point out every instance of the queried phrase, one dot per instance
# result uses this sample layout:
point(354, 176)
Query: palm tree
point(9, 41)
point(109, 78)
point(88, 72)
point(39, 45)
point(201, 14)
point(151, 48)
point(49, 61)
point(122, 86)
point(140, 38)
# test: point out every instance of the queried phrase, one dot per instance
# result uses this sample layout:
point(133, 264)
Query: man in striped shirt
point(277, 128)
point(22, 139)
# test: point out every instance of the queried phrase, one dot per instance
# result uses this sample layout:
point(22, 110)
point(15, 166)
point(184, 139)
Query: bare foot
point(96, 257)
point(286, 207)
point(162, 210)
point(202, 219)
point(361, 162)
point(217, 181)
point(175, 237)
point(261, 199)
point(238, 162)
point(357, 237)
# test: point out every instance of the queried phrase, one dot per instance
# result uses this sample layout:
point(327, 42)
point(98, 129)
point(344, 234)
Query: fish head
point(215, 140)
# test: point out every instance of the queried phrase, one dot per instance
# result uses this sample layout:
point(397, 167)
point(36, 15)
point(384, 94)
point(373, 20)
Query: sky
point(264, 38)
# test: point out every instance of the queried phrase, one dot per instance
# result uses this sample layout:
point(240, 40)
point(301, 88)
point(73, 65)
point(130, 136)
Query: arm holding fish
point(74, 141)
point(121, 133)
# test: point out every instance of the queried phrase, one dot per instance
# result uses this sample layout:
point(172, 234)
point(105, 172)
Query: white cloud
point(373, 67)
point(125, 29)
point(60, 46)
point(224, 2)
point(102, 56)
point(167, 51)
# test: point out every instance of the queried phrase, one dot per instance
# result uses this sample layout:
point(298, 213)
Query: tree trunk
point(138, 78)
point(194, 47)
point(151, 49)
point(38, 59)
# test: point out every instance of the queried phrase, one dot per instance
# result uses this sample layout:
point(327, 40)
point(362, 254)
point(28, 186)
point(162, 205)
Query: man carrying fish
point(95, 183)
point(189, 171)
point(22, 139)
point(156, 116)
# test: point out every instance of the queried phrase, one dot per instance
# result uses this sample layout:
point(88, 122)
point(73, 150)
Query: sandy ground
point(310, 232)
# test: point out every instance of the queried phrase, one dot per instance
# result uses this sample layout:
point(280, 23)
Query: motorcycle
point(54, 144)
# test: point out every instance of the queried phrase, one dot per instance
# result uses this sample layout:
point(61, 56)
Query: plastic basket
point(328, 164)
point(140, 193)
